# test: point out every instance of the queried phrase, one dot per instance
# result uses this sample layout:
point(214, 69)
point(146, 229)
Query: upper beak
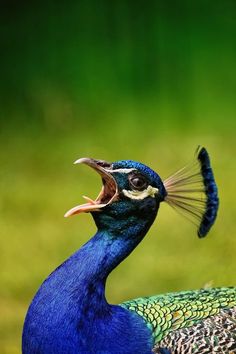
point(109, 190)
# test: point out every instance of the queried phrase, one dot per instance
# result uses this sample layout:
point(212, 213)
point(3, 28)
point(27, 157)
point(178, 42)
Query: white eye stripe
point(121, 170)
point(139, 195)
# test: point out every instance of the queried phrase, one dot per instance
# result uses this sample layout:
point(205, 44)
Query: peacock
point(70, 314)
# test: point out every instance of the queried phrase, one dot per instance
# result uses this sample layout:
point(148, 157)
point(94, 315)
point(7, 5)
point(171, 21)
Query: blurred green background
point(139, 80)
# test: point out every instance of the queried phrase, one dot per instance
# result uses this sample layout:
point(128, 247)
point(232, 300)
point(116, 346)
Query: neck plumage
point(100, 255)
point(85, 272)
point(71, 303)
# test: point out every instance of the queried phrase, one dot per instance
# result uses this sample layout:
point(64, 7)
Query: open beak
point(108, 194)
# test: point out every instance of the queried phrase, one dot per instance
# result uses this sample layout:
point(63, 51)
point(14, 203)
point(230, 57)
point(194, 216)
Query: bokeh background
point(144, 80)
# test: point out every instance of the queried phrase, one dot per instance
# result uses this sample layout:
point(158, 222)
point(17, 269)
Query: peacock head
point(130, 189)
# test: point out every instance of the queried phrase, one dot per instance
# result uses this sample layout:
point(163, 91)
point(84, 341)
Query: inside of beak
point(108, 193)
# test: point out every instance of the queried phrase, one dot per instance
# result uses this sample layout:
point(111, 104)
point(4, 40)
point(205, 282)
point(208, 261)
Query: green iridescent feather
point(164, 314)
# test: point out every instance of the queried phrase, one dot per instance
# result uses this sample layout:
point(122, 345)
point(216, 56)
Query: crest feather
point(193, 192)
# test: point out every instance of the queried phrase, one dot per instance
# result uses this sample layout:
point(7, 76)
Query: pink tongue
point(89, 199)
point(83, 208)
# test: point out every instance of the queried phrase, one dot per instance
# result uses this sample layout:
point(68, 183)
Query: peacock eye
point(138, 183)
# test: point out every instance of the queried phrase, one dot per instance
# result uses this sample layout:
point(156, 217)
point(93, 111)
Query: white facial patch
point(139, 195)
point(122, 170)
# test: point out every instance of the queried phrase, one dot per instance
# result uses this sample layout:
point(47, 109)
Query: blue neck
point(99, 256)
point(71, 302)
